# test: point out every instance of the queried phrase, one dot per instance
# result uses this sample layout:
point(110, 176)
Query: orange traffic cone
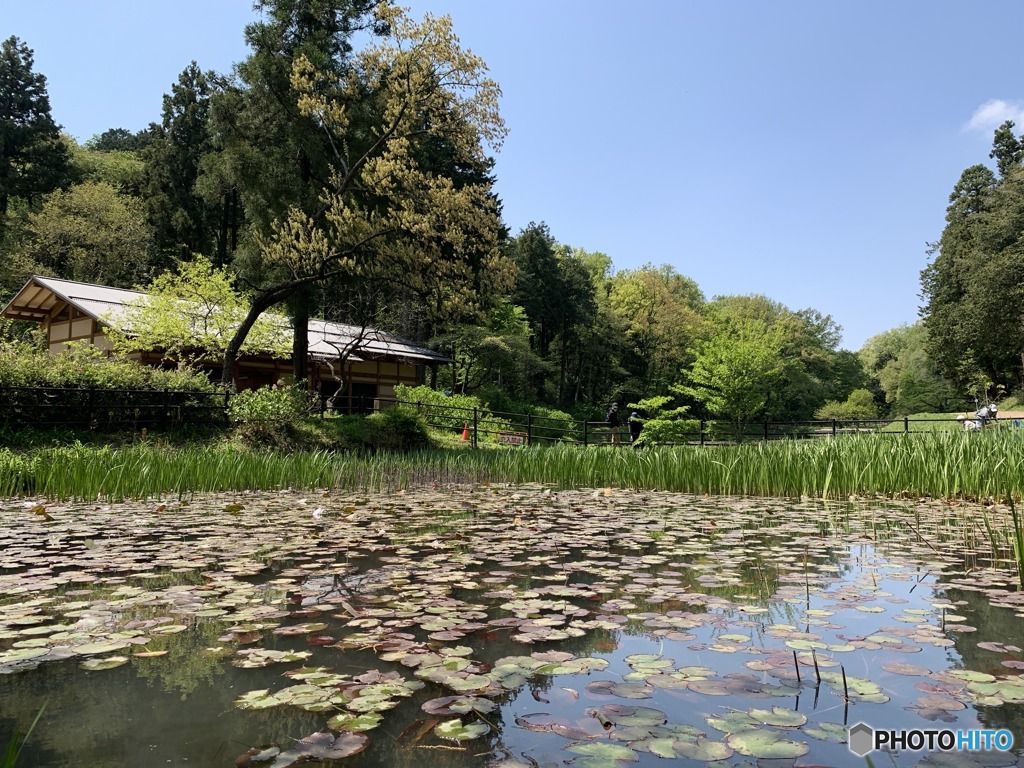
point(465, 432)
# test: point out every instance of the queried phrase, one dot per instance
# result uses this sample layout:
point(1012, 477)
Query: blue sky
point(804, 150)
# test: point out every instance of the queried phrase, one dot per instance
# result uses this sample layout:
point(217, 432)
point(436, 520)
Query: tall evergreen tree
point(384, 218)
point(33, 158)
point(183, 222)
point(275, 156)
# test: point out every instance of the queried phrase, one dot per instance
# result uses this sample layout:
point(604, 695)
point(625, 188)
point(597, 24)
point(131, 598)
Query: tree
point(183, 221)
point(273, 157)
point(494, 355)
point(33, 158)
point(120, 140)
point(1006, 148)
point(385, 218)
point(88, 233)
point(660, 311)
point(190, 315)
point(859, 405)
point(737, 371)
point(974, 305)
point(121, 169)
point(555, 287)
point(898, 361)
point(814, 369)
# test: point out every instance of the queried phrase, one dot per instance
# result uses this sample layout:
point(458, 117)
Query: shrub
point(84, 366)
point(664, 422)
point(454, 412)
point(399, 428)
point(272, 417)
point(859, 405)
point(269, 405)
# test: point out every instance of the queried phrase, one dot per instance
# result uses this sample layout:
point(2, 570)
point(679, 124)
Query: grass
point(9, 757)
point(939, 465)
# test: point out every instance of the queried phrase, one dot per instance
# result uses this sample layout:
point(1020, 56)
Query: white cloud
point(994, 113)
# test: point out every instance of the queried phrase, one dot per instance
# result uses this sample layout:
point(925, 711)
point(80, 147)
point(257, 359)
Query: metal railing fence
point(108, 410)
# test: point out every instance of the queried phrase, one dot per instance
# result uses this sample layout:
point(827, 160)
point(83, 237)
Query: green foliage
point(89, 233)
point(737, 371)
point(193, 313)
point(659, 310)
point(119, 140)
point(971, 288)
point(455, 412)
point(859, 405)
point(399, 428)
point(121, 170)
point(664, 421)
point(898, 359)
point(34, 158)
point(271, 417)
point(492, 355)
point(269, 405)
point(183, 220)
point(84, 366)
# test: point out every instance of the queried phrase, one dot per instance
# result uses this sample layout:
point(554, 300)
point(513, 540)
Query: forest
point(345, 170)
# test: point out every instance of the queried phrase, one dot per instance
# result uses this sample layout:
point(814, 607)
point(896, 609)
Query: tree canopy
point(33, 158)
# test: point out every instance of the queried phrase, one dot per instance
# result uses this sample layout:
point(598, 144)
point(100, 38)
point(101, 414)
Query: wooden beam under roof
point(34, 302)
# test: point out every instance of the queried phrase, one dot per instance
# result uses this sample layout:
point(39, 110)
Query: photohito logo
point(862, 738)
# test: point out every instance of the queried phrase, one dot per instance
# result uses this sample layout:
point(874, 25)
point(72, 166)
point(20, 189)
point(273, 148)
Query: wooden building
point(377, 361)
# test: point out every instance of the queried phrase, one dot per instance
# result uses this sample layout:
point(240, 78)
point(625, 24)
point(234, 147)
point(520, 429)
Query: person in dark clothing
point(613, 422)
point(635, 426)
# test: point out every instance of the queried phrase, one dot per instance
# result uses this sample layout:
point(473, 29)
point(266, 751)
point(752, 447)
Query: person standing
point(635, 427)
point(613, 422)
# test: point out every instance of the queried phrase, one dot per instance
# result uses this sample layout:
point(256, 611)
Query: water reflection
point(696, 608)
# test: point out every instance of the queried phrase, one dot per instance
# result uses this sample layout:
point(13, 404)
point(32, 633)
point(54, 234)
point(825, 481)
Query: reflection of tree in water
point(994, 625)
point(627, 558)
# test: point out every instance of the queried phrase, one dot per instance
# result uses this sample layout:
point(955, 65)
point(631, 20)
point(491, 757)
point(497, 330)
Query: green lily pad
point(778, 717)
point(459, 731)
point(761, 743)
point(731, 722)
point(621, 715)
point(458, 705)
point(326, 746)
point(703, 749)
point(836, 733)
point(107, 662)
point(605, 750)
point(355, 723)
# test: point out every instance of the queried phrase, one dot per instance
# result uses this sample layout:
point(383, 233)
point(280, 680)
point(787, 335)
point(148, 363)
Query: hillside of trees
point(345, 170)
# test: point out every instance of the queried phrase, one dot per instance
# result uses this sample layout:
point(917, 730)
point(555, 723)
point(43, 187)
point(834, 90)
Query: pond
point(505, 626)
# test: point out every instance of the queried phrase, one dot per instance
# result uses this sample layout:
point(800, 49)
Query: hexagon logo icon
point(861, 739)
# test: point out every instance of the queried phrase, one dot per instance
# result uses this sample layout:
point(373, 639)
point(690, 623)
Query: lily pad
point(107, 662)
point(761, 743)
point(459, 731)
point(605, 750)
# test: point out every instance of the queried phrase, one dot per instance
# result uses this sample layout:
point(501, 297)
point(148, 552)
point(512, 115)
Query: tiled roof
point(326, 339)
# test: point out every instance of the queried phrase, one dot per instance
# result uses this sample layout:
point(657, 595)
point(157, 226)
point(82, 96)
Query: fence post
point(584, 433)
point(475, 424)
point(906, 425)
point(833, 427)
point(529, 429)
point(766, 430)
point(702, 432)
point(166, 418)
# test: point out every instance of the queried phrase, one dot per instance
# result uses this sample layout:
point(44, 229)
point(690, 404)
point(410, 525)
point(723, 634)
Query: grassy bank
point(941, 465)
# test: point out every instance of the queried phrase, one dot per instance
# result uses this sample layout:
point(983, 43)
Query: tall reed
point(938, 464)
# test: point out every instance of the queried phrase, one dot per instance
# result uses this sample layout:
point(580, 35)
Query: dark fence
point(478, 425)
point(109, 410)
